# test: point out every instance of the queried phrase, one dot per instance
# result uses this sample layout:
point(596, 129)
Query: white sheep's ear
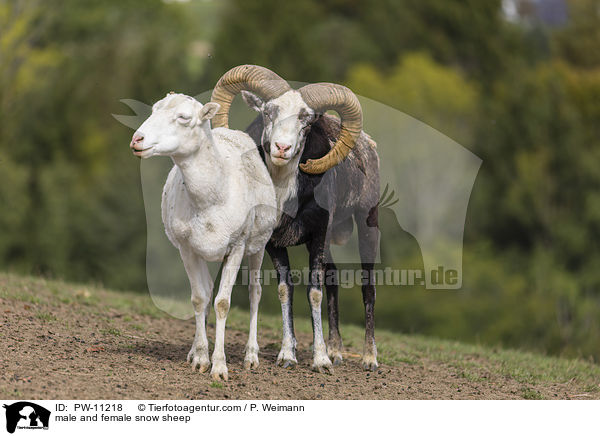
point(208, 111)
point(253, 101)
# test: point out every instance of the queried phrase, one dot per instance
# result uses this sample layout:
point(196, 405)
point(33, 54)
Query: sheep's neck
point(203, 175)
point(284, 175)
point(285, 184)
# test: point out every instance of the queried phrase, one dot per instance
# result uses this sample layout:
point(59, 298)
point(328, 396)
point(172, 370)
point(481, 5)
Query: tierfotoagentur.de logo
point(24, 415)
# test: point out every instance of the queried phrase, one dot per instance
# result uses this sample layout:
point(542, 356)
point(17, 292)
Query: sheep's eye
point(182, 118)
point(269, 113)
point(304, 117)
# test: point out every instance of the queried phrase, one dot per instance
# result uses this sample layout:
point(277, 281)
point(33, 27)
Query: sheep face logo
point(26, 415)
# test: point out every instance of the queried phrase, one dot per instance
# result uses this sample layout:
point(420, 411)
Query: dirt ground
point(100, 356)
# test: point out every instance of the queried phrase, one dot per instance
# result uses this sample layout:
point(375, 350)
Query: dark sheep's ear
point(253, 101)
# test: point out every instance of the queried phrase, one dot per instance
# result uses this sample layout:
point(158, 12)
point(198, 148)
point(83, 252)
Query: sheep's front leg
point(255, 291)
point(201, 283)
point(231, 267)
point(285, 289)
point(321, 362)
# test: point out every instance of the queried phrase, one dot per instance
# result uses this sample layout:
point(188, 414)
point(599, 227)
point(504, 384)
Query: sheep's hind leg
point(201, 284)
point(334, 342)
point(255, 291)
point(368, 237)
point(231, 267)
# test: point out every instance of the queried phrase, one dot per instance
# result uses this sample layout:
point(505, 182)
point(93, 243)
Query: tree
point(70, 190)
point(435, 94)
point(312, 41)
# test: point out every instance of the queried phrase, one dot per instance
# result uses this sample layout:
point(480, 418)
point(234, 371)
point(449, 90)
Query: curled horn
point(258, 80)
point(322, 97)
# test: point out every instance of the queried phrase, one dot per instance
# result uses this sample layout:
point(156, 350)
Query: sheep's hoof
point(251, 362)
point(322, 365)
point(323, 369)
point(335, 356)
point(369, 363)
point(287, 359)
point(199, 360)
point(219, 371)
point(218, 376)
point(287, 363)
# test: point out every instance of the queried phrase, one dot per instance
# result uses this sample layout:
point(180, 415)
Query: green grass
point(45, 316)
point(469, 362)
point(111, 331)
point(15, 394)
point(531, 394)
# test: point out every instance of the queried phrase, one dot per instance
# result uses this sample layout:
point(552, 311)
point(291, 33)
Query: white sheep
point(218, 204)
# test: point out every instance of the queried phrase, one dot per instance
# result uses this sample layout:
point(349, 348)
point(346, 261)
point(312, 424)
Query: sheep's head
point(287, 120)
point(288, 114)
point(174, 128)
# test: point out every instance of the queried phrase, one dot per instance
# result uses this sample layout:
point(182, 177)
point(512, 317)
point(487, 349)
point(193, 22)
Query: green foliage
point(310, 40)
point(540, 157)
point(424, 89)
point(579, 41)
point(70, 190)
point(309, 34)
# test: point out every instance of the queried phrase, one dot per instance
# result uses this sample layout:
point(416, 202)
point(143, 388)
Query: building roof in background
point(552, 13)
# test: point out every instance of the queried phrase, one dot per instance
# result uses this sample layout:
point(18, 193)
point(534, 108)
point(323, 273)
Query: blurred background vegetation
point(516, 81)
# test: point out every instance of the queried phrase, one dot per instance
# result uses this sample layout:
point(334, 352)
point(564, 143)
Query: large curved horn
point(325, 96)
point(258, 80)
